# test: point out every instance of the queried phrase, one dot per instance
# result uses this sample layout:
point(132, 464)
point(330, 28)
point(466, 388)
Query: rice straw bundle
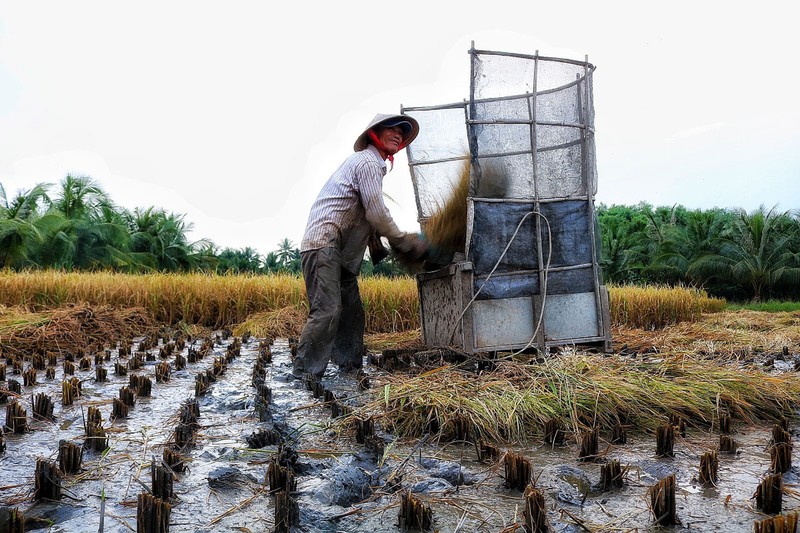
point(513, 401)
point(446, 229)
point(286, 321)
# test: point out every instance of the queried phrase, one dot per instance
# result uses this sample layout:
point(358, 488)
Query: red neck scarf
point(378, 144)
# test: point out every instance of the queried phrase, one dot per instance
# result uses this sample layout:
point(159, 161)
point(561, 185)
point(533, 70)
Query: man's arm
point(378, 215)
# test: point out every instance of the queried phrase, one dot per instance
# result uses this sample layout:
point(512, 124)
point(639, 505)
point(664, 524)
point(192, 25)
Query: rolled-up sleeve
point(377, 214)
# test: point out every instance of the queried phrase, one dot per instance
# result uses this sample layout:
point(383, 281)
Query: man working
point(347, 213)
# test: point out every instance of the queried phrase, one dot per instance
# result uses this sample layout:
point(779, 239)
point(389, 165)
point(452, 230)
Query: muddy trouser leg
point(322, 273)
point(348, 348)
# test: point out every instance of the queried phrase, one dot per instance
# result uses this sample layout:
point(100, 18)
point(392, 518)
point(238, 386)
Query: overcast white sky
point(235, 113)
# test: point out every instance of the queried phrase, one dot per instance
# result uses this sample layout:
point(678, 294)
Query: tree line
point(731, 253)
point(75, 225)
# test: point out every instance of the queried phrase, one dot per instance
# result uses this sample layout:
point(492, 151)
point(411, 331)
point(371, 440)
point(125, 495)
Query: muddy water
point(340, 483)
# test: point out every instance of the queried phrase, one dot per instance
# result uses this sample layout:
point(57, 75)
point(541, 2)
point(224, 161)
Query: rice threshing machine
point(529, 274)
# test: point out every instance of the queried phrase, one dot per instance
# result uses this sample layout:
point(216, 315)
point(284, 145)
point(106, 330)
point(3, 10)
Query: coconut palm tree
point(163, 236)
point(238, 261)
point(623, 243)
point(20, 224)
point(288, 256)
point(84, 229)
point(271, 264)
point(756, 252)
point(697, 236)
point(79, 196)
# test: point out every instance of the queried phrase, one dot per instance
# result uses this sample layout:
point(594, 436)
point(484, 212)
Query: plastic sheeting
point(518, 106)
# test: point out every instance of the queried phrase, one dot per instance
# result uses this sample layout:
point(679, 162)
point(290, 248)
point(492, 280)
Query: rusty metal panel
point(570, 316)
point(501, 324)
point(441, 306)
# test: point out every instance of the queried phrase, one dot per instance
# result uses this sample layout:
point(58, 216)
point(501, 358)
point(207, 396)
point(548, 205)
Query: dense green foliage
point(78, 227)
point(729, 252)
point(732, 253)
point(771, 306)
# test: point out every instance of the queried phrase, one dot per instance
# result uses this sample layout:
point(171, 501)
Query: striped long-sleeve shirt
point(349, 208)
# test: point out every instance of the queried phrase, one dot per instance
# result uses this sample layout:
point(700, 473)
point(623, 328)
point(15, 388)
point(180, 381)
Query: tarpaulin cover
point(566, 224)
point(514, 112)
point(527, 132)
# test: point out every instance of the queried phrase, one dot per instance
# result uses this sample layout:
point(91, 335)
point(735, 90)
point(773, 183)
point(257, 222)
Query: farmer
point(348, 213)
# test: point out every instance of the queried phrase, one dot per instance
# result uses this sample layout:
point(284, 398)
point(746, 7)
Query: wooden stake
point(665, 441)
point(727, 444)
point(14, 520)
point(16, 417)
point(724, 423)
point(119, 409)
point(280, 478)
point(174, 460)
point(152, 514)
point(553, 433)
point(618, 434)
point(42, 406)
point(611, 475)
point(47, 481)
point(161, 478)
point(517, 471)
point(780, 457)
point(414, 514)
point(69, 457)
point(486, 452)
point(589, 446)
point(287, 512)
point(364, 428)
point(777, 524)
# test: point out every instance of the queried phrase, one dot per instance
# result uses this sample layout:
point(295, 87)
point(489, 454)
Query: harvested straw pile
point(284, 322)
point(514, 402)
point(727, 334)
point(72, 328)
point(404, 340)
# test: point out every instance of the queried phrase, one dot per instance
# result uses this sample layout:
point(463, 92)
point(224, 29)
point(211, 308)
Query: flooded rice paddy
point(341, 485)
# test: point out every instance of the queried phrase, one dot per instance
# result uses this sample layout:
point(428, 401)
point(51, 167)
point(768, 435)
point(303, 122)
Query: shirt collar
point(376, 154)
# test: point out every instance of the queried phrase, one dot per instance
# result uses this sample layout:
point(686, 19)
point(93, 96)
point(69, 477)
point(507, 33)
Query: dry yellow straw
point(446, 229)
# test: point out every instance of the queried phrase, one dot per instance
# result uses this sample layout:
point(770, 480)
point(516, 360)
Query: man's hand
point(413, 246)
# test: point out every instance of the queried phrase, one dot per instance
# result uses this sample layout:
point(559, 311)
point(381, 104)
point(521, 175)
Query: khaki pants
point(335, 326)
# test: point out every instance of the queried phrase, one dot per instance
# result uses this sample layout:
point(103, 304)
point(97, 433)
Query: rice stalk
point(513, 402)
point(284, 322)
point(653, 306)
point(216, 301)
point(446, 229)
